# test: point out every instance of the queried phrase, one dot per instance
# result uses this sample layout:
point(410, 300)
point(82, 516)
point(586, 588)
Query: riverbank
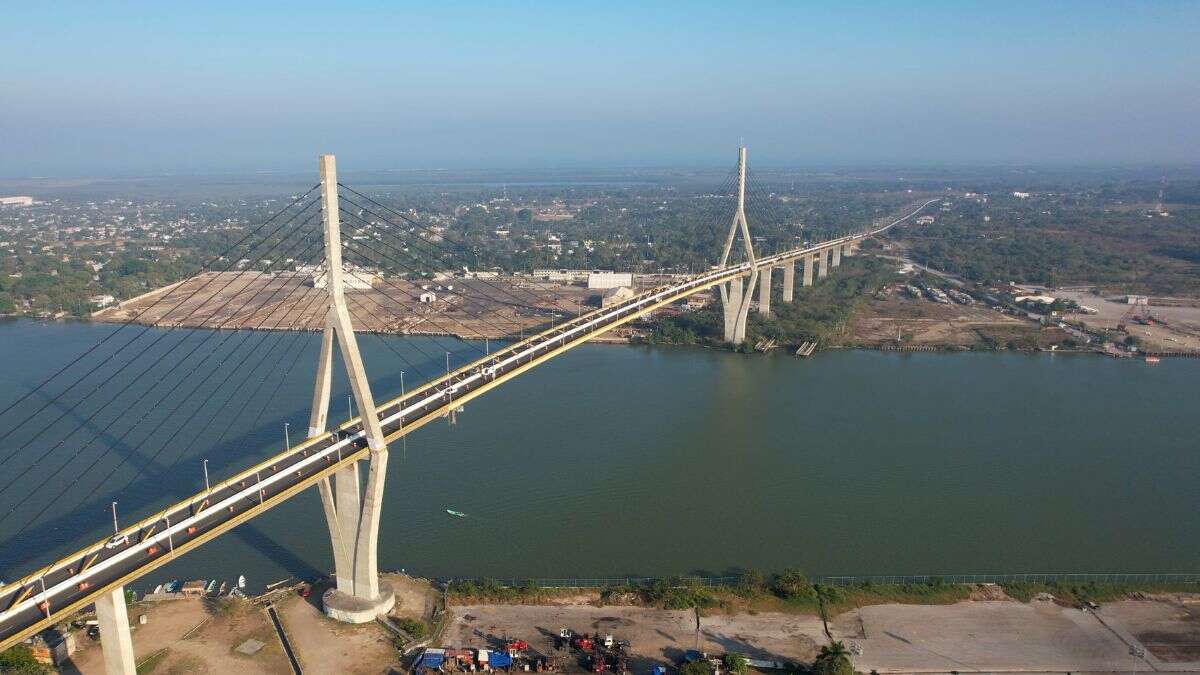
point(891, 628)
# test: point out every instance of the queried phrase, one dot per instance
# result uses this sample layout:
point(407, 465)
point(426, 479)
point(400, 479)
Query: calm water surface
point(614, 461)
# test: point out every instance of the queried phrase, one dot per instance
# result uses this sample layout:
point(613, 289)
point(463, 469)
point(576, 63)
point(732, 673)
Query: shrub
point(416, 629)
point(734, 663)
point(791, 584)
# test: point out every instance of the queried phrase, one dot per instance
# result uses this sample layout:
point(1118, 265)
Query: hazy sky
point(98, 88)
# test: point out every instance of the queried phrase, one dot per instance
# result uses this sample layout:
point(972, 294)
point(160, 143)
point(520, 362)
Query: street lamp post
point(206, 487)
point(287, 443)
point(116, 530)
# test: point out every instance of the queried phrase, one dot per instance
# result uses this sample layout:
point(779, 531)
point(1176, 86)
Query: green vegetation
point(1064, 239)
point(19, 660)
point(700, 667)
point(833, 659)
point(490, 590)
point(819, 312)
point(734, 663)
point(414, 627)
point(677, 593)
point(1080, 593)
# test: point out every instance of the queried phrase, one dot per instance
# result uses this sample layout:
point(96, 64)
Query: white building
point(102, 300)
point(428, 296)
point(16, 201)
point(353, 278)
point(604, 279)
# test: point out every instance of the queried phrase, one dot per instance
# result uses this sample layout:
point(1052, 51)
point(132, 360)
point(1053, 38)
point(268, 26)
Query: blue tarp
point(499, 660)
point(432, 660)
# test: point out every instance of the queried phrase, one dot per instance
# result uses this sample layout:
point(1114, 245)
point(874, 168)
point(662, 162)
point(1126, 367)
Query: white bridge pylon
point(352, 512)
point(735, 302)
point(736, 299)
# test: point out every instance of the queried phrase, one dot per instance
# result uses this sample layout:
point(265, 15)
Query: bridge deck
point(53, 592)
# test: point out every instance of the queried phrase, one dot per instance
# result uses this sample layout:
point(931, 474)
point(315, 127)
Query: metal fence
point(1118, 578)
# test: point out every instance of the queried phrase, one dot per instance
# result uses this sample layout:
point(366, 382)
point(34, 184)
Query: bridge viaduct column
point(733, 303)
point(809, 262)
point(115, 640)
point(352, 513)
point(822, 263)
point(764, 291)
point(789, 280)
point(836, 254)
point(848, 249)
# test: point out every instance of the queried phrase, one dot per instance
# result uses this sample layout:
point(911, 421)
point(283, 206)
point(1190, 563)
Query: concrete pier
point(764, 291)
point(848, 249)
point(789, 280)
point(836, 255)
point(115, 640)
point(823, 263)
point(733, 304)
point(809, 262)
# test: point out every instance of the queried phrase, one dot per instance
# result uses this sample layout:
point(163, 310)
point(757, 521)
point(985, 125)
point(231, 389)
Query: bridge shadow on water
point(144, 496)
point(158, 483)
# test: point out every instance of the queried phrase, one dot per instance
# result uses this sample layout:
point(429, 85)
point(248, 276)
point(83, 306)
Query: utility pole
point(206, 487)
point(116, 530)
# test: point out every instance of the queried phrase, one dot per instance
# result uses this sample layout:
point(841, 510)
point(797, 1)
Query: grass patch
point(415, 628)
point(1080, 593)
point(490, 591)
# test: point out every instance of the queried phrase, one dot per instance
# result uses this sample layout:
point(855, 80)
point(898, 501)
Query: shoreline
point(618, 341)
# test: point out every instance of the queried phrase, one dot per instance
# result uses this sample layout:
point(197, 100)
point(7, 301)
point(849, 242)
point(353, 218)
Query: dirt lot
point(322, 645)
point(189, 636)
point(207, 649)
point(1182, 316)
point(656, 636)
point(287, 301)
point(980, 635)
point(924, 323)
point(1169, 629)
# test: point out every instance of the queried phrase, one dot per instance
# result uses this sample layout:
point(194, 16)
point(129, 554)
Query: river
point(620, 460)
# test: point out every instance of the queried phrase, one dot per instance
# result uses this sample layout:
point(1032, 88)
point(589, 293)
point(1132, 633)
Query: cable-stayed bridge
point(309, 230)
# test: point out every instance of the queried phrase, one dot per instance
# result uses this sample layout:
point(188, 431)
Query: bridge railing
point(1115, 578)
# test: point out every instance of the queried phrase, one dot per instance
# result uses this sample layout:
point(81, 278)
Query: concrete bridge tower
point(351, 511)
point(735, 301)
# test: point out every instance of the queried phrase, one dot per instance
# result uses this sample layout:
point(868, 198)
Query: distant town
point(1049, 266)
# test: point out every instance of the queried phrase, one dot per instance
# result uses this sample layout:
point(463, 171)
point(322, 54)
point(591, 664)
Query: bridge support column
point(115, 640)
point(764, 291)
point(809, 262)
point(352, 513)
point(732, 306)
point(823, 263)
point(789, 280)
point(836, 254)
point(848, 249)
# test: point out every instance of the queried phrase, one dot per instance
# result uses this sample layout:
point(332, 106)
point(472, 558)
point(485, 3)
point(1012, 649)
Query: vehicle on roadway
point(117, 541)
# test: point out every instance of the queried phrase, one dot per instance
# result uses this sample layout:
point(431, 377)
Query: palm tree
point(833, 659)
point(833, 650)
